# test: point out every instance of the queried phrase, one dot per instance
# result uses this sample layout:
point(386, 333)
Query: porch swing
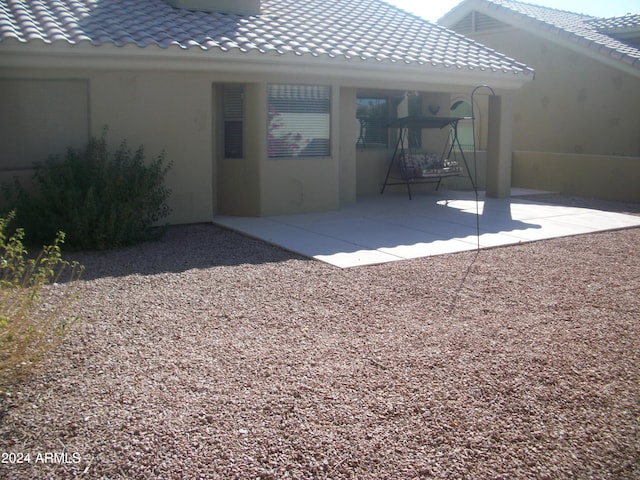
point(423, 168)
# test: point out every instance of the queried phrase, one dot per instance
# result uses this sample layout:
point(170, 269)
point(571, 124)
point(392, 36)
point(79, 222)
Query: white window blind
point(233, 116)
point(299, 121)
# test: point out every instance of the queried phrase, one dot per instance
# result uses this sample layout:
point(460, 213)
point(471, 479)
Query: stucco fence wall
point(592, 176)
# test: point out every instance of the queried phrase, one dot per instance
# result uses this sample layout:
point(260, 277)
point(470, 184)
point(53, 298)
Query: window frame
point(465, 125)
point(233, 121)
point(383, 119)
point(289, 99)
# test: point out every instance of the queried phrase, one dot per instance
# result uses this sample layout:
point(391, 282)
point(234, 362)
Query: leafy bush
point(31, 317)
point(101, 199)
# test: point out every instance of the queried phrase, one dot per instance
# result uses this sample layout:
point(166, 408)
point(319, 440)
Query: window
point(233, 115)
point(299, 121)
point(372, 114)
point(373, 117)
point(462, 109)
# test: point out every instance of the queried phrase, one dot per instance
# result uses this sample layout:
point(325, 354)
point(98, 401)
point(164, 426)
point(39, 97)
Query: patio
point(391, 227)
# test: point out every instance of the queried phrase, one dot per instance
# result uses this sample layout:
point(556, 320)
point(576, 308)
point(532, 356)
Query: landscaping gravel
point(209, 355)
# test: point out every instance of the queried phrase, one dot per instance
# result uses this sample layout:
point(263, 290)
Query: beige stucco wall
point(57, 111)
point(301, 185)
point(178, 113)
point(592, 176)
point(170, 112)
point(236, 182)
point(576, 104)
point(348, 170)
point(371, 165)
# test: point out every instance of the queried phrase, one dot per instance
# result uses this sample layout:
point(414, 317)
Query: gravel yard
point(209, 355)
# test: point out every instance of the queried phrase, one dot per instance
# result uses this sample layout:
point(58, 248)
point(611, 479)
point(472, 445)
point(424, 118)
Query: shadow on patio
point(391, 227)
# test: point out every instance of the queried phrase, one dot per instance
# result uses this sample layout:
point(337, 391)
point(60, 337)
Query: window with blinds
point(233, 119)
point(299, 123)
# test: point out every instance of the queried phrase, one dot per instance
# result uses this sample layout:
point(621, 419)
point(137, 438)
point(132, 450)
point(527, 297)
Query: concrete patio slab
point(391, 227)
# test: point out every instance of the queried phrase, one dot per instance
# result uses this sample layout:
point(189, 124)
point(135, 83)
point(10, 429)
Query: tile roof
point(586, 30)
point(368, 30)
point(631, 21)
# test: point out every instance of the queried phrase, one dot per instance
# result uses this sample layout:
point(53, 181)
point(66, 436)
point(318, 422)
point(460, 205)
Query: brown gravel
point(209, 355)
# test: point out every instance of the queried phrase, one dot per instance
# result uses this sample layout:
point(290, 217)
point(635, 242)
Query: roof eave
point(350, 71)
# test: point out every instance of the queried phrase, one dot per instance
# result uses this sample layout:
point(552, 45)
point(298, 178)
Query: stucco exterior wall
point(372, 164)
point(348, 171)
point(576, 104)
point(57, 111)
point(179, 113)
point(236, 181)
point(168, 112)
point(301, 185)
point(591, 176)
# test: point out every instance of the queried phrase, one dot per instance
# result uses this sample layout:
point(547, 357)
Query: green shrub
point(101, 199)
point(32, 304)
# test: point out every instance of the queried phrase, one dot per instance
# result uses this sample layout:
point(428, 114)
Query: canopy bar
point(423, 122)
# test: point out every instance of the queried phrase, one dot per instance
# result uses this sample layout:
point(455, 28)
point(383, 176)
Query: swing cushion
point(414, 165)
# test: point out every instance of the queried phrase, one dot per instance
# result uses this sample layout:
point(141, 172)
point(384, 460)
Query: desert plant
point(32, 303)
point(99, 198)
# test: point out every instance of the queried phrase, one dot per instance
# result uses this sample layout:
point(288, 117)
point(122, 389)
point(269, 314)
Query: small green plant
point(32, 303)
point(99, 198)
